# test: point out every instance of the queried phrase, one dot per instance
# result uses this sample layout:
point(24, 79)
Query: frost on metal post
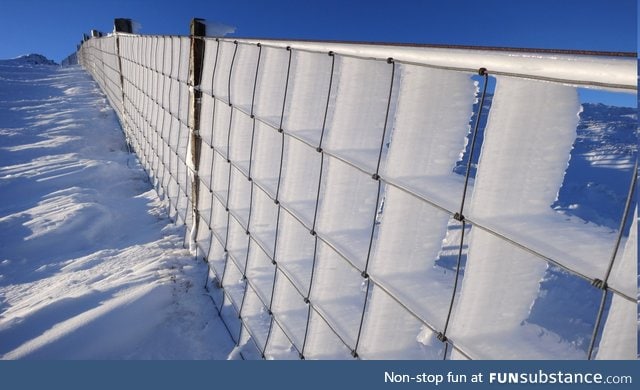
point(198, 29)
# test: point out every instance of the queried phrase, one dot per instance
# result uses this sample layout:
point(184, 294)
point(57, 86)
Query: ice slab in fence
point(431, 124)
point(207, 155)
point(184, 102)
point(233, 284)
point(229, 315)
point(175, 98)
point(347, 209)
point(184, 46)
point(265, 166)
point(620, 334)
point(155, 79)
point(247, 348)
point(182, 142)
point(178, 52)
point(243, 77)
point(240, 197)
point(322, 342)
point(220, 87)
point(290, 310)
point(444, 190)
point(272, 82)
point(163, 55)
point(221, 127)
point(209, 64)
point(220, 177)
point(175, 137)
point(240, 140)
point(579, 245)
point(264, 216)
point(338, 292)
point(207, 120)
point(529, 135)
point(299, 186)
point(256, 318)
point(409, 240)
point(237, 244)
point(513, 307)
point(203, 239)
point(356, 121)
point(218, 220)
point(391, 332)
point(623, 274)
point(431, 121)
point(307, 95)
point(280, 347)
point(295, 251)
point(528, 138)
point(260, 272)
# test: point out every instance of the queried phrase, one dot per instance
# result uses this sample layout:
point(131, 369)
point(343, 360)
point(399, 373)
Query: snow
point(519, 175)
point(91, 267)
point(411, 232)
point(291, 213)
point(305, 110)
point(30, 59)
point(620, 336)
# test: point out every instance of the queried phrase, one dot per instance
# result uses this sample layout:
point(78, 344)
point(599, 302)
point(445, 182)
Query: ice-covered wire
point(251, 190)
point(602, 284)
point(459, 216)
point(374, 224)
point(317, 203)
point(277, 201)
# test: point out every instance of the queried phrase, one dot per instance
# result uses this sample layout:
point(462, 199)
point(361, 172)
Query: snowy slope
point(90, 264)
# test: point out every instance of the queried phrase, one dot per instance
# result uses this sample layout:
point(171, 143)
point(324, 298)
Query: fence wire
point(287, 283)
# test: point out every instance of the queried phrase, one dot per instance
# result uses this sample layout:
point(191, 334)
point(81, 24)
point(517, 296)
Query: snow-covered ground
point(91, 267)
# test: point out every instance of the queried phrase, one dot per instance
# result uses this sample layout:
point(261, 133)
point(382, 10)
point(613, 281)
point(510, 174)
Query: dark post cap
point(198, 28)
point(123, 25)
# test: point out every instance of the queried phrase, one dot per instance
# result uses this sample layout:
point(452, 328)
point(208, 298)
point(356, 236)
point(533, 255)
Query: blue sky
point(53, 28)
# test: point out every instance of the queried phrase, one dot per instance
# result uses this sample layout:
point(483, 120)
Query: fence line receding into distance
point(317, 181)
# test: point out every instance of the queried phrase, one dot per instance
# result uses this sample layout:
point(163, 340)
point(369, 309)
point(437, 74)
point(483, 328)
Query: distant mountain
point(30, 59)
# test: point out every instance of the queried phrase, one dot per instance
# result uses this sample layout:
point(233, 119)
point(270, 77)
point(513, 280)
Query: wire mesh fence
point(331, 217)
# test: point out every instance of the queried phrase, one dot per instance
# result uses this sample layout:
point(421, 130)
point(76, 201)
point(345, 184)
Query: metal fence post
point(122, 26)
point(196, 56)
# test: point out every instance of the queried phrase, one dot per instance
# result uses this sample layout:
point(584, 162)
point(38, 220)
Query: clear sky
point(54, 27)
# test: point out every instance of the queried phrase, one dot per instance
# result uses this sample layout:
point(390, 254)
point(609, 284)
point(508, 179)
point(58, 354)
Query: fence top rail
point(592, 69)
point(602, 70)
point(597, 53)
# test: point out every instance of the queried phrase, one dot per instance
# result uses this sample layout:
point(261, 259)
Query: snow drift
point(91, 267)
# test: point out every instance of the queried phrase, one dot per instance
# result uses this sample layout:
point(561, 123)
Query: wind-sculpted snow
point(90, 265)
